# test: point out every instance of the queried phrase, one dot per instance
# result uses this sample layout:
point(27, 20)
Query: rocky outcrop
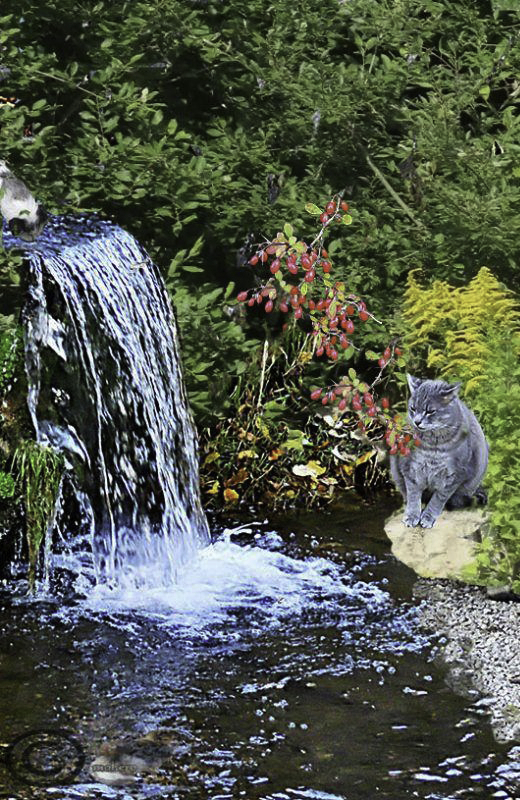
point(442, 551)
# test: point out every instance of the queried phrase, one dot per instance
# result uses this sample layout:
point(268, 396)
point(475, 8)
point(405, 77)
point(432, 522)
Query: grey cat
point(452, 458)
point(25, 217)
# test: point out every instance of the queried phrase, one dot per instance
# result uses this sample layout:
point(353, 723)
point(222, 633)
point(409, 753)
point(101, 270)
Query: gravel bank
point(480, 642)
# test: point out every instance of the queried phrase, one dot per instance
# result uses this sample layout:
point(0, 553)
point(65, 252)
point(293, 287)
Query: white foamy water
point(226, 584)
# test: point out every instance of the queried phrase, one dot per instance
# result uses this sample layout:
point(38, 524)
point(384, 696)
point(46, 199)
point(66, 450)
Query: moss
point(38, 470)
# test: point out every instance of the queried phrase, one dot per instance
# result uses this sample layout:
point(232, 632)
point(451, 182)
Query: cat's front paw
point(412, 520)
point(427, 519)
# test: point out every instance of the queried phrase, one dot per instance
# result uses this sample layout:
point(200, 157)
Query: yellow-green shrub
point(449, 329)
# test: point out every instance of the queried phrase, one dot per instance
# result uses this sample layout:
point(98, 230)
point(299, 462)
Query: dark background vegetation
point(203, 125)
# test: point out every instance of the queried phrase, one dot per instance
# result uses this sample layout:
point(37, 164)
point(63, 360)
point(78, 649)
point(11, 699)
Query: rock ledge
point(442, 551)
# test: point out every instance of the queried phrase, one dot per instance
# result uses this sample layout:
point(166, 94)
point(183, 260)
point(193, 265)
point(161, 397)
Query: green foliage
point(497, 403)
point(38, 471)
point(214, 347)
point(472, 333)
point(7, 485)
point(209, 122)
point(449, 328)
point(188, 120)
point(271, 451)
point(10, 357)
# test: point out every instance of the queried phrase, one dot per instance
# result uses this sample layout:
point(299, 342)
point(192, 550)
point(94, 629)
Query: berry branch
point(299, 282)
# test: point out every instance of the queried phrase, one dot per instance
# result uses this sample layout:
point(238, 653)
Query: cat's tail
point(462, 500)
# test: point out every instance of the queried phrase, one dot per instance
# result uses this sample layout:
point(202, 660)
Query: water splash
point(106, 389)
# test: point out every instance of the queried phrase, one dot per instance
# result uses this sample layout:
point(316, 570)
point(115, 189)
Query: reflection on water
point(281, 666)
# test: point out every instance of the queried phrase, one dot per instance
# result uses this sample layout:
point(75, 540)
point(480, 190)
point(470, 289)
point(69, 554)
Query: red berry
point(293, 268)
point(363, 316)
point(371, 411)
point(385, 402)
point(398, 351)
point(305, 262)
point(356, 403)
point(268, 306)
point(393, 450)
point(382, 362)
point(326, 266)
point(387, 354)
point(349, 326)
point(342, 404)
point(263, 256)
point(344, 206)
point(319, 351)
point(253, 260)
point(298, 313)
point(316, 394)
point(350, 310)
point(275, 266)
point(242, 296)
point(368, 399)
point(312, 305)
point(324, 218)
point(259, 298)
point(325, 400)
point(330, 208)
point(324, 253)
point(417, 442)
point(284, 307)
point(334, 355)
point(309, 276)
point(251, 301)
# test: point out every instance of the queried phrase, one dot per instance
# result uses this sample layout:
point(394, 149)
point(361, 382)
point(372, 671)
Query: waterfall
point(105, 388)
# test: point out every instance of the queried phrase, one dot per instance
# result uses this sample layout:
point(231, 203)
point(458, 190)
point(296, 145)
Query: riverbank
point(479, 640)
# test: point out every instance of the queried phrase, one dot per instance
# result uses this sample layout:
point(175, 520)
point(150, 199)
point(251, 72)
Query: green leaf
point(288, 230)
point(346, 219)
point(312, 209)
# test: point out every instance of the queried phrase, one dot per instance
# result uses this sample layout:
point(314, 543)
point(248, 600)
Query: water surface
point(285, 663)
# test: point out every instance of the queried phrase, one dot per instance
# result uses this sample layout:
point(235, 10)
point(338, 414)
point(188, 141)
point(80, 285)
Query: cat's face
point(432, 404)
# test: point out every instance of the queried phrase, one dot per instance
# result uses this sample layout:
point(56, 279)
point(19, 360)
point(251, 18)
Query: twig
point(62, 80)
point(379, 175)
point(262, 374)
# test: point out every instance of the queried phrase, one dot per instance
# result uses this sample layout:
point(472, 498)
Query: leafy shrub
point(214, 348)
point(497, 403)
point(449, 328)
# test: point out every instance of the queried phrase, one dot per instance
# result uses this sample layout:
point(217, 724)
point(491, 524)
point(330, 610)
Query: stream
point(284, 663)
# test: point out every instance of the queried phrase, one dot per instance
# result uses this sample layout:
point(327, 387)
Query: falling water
point(106, 389)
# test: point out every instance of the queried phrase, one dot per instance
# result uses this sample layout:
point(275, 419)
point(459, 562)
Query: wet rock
point(442, 551)
point(116, 765)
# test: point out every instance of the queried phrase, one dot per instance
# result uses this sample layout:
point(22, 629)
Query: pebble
point(481, 647)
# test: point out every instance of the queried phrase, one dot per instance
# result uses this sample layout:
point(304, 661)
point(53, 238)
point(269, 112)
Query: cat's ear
point(449, 391)
point(413, 383)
